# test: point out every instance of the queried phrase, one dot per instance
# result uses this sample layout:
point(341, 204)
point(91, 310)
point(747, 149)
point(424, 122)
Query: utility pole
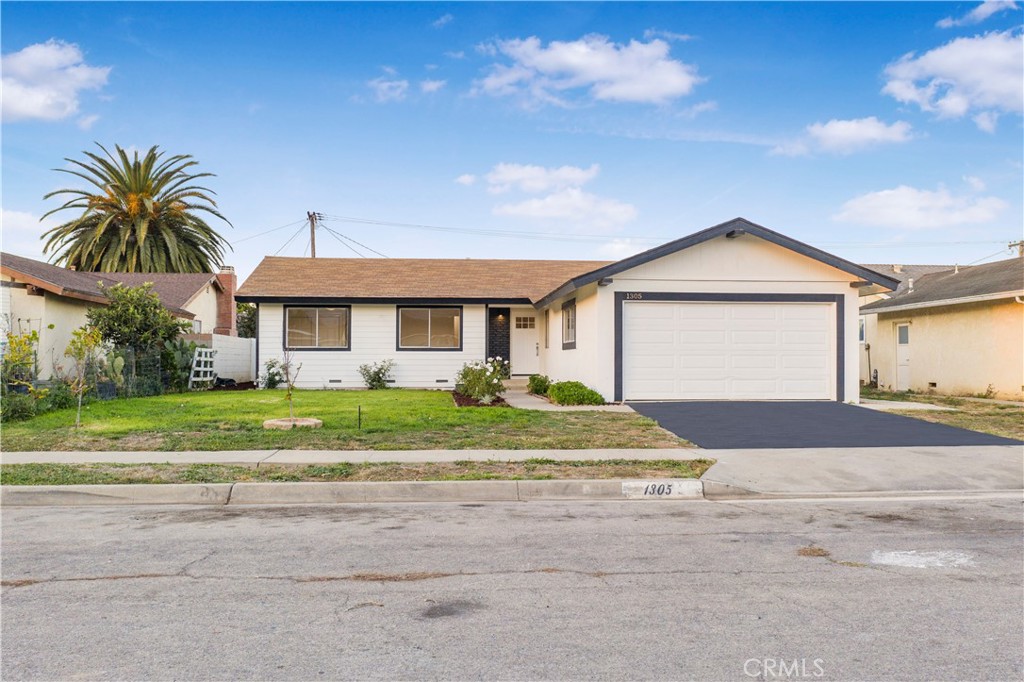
point(312, 233)
point(1019, 246)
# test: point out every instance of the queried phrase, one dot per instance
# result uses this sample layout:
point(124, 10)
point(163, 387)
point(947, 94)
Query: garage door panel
point(728, 351)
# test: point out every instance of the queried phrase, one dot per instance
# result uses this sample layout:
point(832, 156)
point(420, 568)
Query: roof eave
point(960, 300)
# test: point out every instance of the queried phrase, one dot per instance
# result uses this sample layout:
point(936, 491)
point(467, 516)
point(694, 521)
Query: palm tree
point(139, 216)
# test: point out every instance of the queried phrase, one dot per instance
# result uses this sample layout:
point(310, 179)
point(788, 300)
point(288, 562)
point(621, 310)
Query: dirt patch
point(450, 609)
point(243, 386)
point(812, 551)
point(465, 401)
point(888, 518)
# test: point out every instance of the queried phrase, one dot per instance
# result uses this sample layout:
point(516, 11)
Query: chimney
point(897, 269)
point(910, 284)
point(226, 324)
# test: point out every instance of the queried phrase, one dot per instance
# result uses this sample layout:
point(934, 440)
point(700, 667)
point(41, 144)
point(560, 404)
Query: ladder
point(202, 369)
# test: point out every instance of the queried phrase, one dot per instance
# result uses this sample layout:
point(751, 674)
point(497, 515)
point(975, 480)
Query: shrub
point(538, 384)
point(574, 393)
point(134, 318)
point(59, 397)
point(17, 407)
point(376, 375)
point(177, 357)
point(271, 377)
point(482, 380)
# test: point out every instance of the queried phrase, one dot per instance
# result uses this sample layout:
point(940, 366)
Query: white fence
point(236, 357)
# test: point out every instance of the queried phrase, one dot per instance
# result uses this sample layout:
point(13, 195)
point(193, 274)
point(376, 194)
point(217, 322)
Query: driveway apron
point(799, 424)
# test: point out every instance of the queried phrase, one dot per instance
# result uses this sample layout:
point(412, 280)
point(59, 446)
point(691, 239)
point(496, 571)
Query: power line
point(338, 234)
point(297, 233)
point(343, 243)
point(243, 239)
point(1000, 252)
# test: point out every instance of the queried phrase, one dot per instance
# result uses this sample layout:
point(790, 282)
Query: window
point(569, 325)
point(862, 324)
point(547, 328)
point(197, 326)
point(430, 329)
point(317, 328)
point(525, 322)
point(903, 334)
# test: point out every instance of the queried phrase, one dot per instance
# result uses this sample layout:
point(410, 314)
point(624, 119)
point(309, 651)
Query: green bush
point(375, 375)
point(538, 384)
point(271, 377)
point(574, 393)
point(59, 397)
point(17, 407)
point(482, 380)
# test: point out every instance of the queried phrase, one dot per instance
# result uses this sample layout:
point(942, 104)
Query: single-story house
point(734, 312)
point(51, 300)
point(959, 331)
point(906, 274)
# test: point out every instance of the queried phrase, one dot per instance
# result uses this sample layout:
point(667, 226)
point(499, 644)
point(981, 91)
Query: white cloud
point(432, 85)
point(442, 21)
point(574, 205)
point(978, 14)
point(667, 35)
point(977, 184)
point(455, 54)
point(986, 121)
point(696, 110)
point(22, 232)
point(919, 209)
point(385, 90)
point(389, 70)
point(86, 122)
point(535, 179)
point(983, 74)
point(610, 72)
point(466, 179)
point(846, 136)
point(617, 249)
point(43, 81)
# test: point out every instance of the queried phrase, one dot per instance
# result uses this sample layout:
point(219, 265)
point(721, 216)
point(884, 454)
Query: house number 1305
point(634, 296)
point(658, 489)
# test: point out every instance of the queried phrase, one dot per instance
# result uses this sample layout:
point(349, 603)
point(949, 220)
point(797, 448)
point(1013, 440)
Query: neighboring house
point(959, 331)
point(736, 311)
point(51, 300)
point(906, 274)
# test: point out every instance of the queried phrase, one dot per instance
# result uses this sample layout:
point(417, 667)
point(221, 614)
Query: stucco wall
point(37, 313)
point(204, 307)
point(961, 349)
point(746, 264)
point(374, 337)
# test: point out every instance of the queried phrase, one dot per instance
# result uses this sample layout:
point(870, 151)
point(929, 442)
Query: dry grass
point(812, 551)
point(999, 420)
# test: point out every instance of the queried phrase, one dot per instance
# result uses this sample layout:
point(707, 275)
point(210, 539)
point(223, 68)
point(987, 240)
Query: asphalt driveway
point(729, 425)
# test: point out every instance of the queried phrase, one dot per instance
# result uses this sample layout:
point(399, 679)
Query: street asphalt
point(837, 590)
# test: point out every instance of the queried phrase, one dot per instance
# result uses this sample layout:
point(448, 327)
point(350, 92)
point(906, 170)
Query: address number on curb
point(661, 490)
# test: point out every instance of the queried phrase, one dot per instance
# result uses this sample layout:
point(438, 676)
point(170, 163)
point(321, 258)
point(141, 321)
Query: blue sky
point(882, 132)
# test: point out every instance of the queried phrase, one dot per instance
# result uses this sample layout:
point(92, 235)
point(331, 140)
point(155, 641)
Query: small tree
point(134, 318)
point(290, 373)
point(83, 350)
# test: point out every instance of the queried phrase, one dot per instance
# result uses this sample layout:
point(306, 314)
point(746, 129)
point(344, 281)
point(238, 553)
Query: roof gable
point(734, 227)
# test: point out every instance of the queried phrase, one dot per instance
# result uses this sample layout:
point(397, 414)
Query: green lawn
point(531, 469)
point(999, 420)
point(394, 419)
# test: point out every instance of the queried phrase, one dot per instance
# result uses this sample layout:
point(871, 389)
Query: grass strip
point(531, 470)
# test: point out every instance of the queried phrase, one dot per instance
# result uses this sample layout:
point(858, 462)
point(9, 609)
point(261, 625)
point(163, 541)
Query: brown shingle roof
point(979, 280)
point(173, 289)
point(383, 278)
point(907, 272)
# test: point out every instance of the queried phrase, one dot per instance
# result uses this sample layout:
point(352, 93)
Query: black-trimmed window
point(426, 328)
point(308, 328)
point(569, 325)
point(547, 328)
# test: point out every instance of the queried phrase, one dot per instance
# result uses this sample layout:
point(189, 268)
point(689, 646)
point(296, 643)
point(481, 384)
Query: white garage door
point(728, 351)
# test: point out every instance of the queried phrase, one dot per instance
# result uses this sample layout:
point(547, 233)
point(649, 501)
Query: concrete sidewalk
point(816, 472)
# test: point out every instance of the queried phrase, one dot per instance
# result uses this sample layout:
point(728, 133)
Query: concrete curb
point(142, 493)
point(351, 492)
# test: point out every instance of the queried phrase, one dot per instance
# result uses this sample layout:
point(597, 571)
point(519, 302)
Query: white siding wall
point(24, 313)
point(374, 329)
point(575, 364)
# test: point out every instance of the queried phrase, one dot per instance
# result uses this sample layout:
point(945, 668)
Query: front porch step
point(516, 383)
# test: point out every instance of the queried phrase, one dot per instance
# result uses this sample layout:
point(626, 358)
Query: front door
point(525, 343)
point(903, 357)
